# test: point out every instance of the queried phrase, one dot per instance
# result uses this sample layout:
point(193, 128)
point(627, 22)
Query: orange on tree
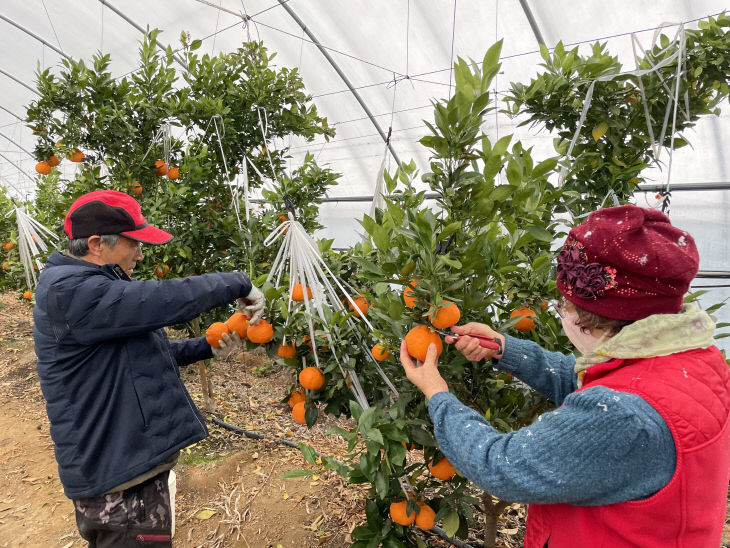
point(362, 305)
point(136, 188)
point(76, 155)
point(446, 316)
point(7, 246)
point(173, 173)
point(53, 160)
point(380, 352)
point(297, 396)
point(525, 324)
point(28, 295)
point(43, 168)
point(311, 378)
point(419, 338)
point(299, 411)
point(5, 266)
point(409, 296)
point(162, 270)
point(297, 293)
point(161, 168)
point(398, 513)
point(426, 516)
point(286, 350)
point(260, 333)
point(238, 323)
point(442, 470)
point(214, 332)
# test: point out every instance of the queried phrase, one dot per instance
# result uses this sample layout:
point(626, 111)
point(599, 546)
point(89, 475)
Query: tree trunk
point(206, 384)
point(492, 510)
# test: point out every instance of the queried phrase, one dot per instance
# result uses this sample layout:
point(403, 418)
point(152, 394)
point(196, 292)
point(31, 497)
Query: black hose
point(253, 435)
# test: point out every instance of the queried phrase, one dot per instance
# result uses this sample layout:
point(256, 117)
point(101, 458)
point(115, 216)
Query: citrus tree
point(174, 138)
point(628, 113)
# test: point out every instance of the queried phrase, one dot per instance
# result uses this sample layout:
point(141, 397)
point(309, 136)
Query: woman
point(638, 451)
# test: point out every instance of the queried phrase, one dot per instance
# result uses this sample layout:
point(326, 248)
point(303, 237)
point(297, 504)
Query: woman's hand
point(469, 346)
point(424, 375)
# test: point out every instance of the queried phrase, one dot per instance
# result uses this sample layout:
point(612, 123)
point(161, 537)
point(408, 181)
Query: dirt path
point(230, 491)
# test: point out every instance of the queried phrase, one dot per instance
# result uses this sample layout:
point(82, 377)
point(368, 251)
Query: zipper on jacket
point(182, 385)
point(139, 402)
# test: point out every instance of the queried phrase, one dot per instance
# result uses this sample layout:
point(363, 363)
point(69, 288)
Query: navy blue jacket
point(110, 376)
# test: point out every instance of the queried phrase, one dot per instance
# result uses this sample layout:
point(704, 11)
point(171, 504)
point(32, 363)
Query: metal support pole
point(12, 113)
point(533, 23)
point(18, 81)
point(140, 29)
point(17, 144)
point(16, 166)
point(341, 74)
point(34, 35)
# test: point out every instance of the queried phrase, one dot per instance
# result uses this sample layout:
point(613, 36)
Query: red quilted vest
point(691, 391)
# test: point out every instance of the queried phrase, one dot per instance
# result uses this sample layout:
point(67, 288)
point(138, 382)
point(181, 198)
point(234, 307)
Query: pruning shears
point(484, 341)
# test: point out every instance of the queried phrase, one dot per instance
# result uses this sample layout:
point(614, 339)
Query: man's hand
point(253, 305)
point(228, 344)
point(424, 375)
point(469, 346)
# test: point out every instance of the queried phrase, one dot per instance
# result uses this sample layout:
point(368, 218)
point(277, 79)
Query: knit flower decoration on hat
point(581, 278)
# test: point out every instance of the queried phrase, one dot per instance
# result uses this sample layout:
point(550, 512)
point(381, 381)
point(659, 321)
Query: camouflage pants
point(138, 516)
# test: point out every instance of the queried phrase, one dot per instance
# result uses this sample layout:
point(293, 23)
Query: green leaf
point(450, 523)
point(297, 473)
point(195, 44)
point(374, 434)
point(307, 453)
point(539, 233)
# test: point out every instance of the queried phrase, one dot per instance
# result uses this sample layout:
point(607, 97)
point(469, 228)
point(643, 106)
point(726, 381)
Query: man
point(118, 409)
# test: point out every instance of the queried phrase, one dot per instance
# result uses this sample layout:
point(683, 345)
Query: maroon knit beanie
point(627, 263)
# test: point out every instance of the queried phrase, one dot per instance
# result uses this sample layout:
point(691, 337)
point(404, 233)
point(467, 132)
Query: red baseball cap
point(111, 212)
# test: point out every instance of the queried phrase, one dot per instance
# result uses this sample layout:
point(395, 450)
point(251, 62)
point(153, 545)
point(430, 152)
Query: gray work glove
point(253, 305)
point(228, 344)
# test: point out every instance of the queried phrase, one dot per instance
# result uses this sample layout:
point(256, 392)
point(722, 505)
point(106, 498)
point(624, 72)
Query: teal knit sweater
point(599, 447)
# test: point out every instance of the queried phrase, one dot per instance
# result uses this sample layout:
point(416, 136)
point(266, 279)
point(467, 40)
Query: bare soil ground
point(229, 488)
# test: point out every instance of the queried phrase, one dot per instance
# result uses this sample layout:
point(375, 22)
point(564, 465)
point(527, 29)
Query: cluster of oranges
point(44, 167)
point(425, 517)
point(260, 333)
point(310, 378)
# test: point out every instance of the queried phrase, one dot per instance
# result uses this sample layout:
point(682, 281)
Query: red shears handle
point(484, 340)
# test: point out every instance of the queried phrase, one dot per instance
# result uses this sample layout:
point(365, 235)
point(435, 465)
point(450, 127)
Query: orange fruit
point(7, 246)
point(260, 333)
point(525, 324)
point(298, 412)
point(362, 304)
point(214, 332)
point(173, 173)
point(161, 270)
point(409, 296)
point(161, 168)
point(53, 160)
point(446, 317)
point(442, 470)
point(238, 323)
point(419, 338)
point(76, 155)
point(136, 188)
point(5, 266)
point(28, 295)
point(43, 168)
point(398, 513)
point(426, 516)
point(311, 378)
point(286, 351)
point(380, 352)
point(543, 304)
point(296, 396)
point(297, 293)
